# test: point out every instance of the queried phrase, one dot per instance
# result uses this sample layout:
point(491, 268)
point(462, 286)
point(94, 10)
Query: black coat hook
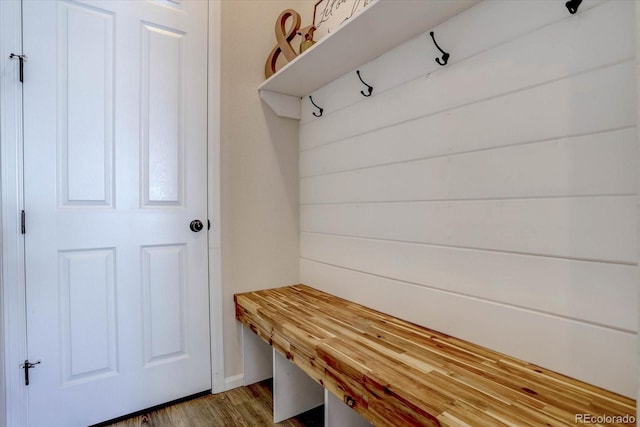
point(572, 6)
point(445, 55)
point(369, 87)
point(320, 109)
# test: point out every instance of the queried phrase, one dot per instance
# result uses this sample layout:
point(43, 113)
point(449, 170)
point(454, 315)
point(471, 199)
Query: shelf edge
point(281, 104)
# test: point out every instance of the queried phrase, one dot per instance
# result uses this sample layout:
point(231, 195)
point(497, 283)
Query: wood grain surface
point(395, 373)
point(240, 407)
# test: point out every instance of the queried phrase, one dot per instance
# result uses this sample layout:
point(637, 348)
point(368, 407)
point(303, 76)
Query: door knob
point(196, 225)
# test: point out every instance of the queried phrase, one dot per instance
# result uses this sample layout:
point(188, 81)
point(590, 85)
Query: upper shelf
point(380, 27)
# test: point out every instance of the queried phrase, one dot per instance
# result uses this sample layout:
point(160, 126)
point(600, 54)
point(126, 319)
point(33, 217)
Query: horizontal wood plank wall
point(494, 199)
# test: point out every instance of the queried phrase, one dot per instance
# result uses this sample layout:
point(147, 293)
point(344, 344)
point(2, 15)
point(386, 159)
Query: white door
point(115, 171)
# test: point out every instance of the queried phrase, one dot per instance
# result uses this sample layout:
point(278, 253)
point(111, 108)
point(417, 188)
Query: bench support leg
point(294, 392)
point(257, 358)
point(338, 414)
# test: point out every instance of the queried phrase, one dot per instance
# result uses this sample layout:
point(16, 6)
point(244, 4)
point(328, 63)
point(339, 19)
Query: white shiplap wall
point(494, 199)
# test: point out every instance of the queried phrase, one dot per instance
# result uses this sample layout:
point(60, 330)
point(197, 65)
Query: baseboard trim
point(233, 381)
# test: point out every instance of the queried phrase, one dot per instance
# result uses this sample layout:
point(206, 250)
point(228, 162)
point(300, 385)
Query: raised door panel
point(88, 326)
point(164, 283)
point(162, 113)
point(85, 105)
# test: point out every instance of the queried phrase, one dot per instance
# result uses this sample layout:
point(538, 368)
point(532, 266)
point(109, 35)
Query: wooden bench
point(395, 373)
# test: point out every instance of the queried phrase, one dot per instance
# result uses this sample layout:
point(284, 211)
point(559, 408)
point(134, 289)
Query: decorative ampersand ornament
point(283, 38)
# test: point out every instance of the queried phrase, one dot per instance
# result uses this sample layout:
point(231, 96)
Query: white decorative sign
point(328, 15)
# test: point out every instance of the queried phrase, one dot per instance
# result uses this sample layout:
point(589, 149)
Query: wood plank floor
point(243, 406)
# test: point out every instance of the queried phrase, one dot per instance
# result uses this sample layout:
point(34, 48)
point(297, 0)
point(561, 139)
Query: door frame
point(214, 186)
point(13, 393)
point(12, 295)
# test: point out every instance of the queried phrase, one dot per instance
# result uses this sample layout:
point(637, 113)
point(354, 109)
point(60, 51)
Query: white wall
point(494, 199)
point(259, 167)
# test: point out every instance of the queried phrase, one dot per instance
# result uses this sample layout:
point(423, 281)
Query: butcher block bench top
point(395, 373)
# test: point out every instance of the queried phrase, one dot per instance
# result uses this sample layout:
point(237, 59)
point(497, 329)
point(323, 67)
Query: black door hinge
point(23, 222)
point(20, 58)
point(26, 366)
